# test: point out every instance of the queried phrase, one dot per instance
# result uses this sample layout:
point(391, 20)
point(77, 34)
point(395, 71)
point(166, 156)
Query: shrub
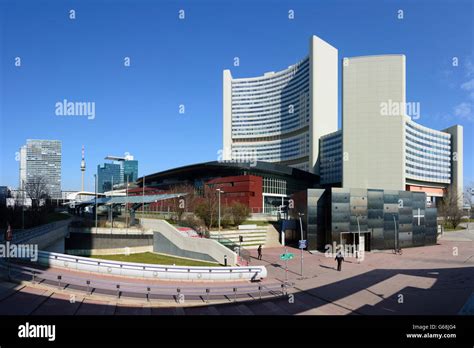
point(239, 212)
point(206, 212)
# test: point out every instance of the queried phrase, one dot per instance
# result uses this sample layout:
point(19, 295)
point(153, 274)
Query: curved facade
point(273, 118)
point(427, 154)
point(383, 146)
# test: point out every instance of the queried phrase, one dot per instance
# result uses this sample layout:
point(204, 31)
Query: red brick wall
point(245, 189)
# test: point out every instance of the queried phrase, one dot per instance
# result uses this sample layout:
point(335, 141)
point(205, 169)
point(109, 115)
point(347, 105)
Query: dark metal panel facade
point(391, 217)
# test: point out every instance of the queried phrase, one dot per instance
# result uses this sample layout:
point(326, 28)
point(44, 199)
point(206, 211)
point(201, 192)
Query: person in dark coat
point(8, 233)
point(339, 258)
point(259, 251)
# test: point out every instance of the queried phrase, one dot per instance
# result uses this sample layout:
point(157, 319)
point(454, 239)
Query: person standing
point(259, 251)
point(339, 258)
point(8, 233)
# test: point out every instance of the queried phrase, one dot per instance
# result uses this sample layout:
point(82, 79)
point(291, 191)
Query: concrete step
point(242, 233)
point(250, 242)
point(237, 237)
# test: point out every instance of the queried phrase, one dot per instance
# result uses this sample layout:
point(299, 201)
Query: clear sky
point(174, 62)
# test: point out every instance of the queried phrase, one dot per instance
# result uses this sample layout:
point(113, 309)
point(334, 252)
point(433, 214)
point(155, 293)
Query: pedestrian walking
point(259, 251)
point(339, 258)
point(8, 233)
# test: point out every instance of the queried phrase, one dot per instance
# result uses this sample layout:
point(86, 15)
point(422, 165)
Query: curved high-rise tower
point(280, 116)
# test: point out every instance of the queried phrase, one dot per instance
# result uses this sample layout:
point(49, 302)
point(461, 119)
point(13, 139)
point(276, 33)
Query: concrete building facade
point(382, 146)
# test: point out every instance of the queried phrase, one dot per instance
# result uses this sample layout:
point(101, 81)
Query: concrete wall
point(51, 239)
point(192, 246)
point(227, 115)
point(99, 243)
point(457, 139)
point(323, 70)
point(373, 143)
point(163, 245)
point(111, 251)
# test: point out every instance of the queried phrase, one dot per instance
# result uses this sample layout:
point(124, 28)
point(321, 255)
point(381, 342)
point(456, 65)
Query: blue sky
point(177, 62)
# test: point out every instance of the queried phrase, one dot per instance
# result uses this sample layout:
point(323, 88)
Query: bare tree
point(36, 189)
point(450, 210)
point(207, 207)
point(468, 193)
point(182, 204)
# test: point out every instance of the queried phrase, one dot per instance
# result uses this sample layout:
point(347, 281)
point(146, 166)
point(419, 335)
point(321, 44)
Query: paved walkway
point(466, 235)
point(427, 280)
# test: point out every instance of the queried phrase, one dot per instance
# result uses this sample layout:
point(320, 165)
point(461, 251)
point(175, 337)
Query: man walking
point(339, 258)
point(8, 233)
point(259, 251)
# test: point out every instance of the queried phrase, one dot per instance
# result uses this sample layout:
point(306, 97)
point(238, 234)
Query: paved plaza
point(426, 280)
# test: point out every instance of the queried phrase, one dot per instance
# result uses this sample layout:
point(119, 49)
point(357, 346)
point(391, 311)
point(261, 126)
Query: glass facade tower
point(108, 174)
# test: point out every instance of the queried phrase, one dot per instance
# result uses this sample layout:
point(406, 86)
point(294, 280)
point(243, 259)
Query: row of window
point(271, 79)
point(431, 132)
point(429, 177)
point(426, 144)
point(427, 150)
point(429, 139)
point(290, 83)
point(282, 100)
point(431, 162)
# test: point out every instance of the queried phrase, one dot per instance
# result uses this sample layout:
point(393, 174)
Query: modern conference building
point(380, 145)
point(290, 117)
point(378, 176)
point(280, 116)
point(264, 187)
point(381, 174)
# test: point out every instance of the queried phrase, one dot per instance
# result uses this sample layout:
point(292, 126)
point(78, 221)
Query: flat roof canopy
point(131, 199)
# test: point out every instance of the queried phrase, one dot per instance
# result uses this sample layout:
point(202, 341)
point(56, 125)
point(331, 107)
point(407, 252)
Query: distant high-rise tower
point(83, 169)
point(40, 161)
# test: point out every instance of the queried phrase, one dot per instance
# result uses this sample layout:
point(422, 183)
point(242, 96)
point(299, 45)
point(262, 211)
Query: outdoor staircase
point(252, 237)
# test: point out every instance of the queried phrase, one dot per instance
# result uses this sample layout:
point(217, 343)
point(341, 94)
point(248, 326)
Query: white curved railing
point(143, 270)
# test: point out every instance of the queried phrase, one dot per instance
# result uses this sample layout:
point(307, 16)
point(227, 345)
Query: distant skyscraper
point(108, 174)
point(41, 159)
point(128, 168)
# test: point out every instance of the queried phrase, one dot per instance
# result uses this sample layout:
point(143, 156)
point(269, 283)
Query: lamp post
point(302, 238)
point(126, 205)
point(358, 236)
point(95, 184)
point(395, 233)
point(219, 191)
point(112, 206)
point(143, 198)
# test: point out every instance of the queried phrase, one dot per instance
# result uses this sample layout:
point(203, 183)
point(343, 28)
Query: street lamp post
point(112, 206)
point(126, 205)
point(95, 185)
point(302, 238)
point(143, 199)
point(219, 191)
point(395, 233)
point(358, 238)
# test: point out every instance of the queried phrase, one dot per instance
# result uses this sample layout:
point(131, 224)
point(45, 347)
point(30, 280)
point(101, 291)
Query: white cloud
point(464, 110)
point(469, 67)
point(468, 86)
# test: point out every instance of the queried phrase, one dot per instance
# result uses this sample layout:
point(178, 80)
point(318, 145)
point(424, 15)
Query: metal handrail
point(199, 293)
point(147, 266)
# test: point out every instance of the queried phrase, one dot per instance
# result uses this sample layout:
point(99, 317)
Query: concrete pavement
point(426, 280)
